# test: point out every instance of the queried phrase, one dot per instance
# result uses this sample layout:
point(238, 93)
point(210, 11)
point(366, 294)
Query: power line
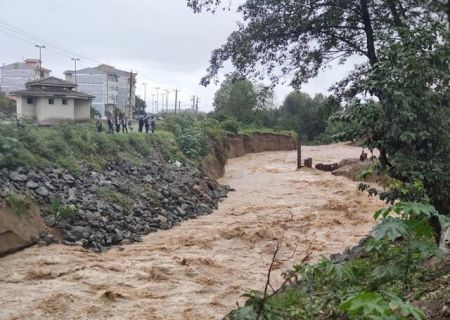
point(31, 37)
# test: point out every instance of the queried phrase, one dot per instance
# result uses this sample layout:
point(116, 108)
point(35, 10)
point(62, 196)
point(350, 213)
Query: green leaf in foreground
point(366, 304)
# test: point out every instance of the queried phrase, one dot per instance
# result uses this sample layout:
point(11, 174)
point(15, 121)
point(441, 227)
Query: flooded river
point(199, 269)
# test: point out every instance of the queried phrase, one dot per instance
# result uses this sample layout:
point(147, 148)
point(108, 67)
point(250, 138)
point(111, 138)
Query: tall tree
point(236, 98)
point(141, 105)
point(300, 113)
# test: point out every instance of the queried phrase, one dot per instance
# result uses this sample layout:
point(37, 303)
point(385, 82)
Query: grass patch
point(69, 145)
point(18, 203)
point(251, 131)
point(109, 194)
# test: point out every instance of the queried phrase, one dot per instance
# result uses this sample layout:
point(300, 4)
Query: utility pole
point(75, 61)
point(179, 106)
point(145, 94)
point(193, 103)
point(40, 59)
point(176, 99)
point(153, 104)
point(129, 98)
point(196, 105)
point(157, 95)
point(167, 100)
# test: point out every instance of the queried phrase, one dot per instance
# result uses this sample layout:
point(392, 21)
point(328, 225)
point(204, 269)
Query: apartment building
point(111, 87)
point(14, 76)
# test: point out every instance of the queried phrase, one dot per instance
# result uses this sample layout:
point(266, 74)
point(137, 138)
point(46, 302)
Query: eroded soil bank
point(198, 269)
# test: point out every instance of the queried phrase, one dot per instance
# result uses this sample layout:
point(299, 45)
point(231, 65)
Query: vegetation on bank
point(7, 106)
point(241, 106)
point(179, 137)
point(69, 146)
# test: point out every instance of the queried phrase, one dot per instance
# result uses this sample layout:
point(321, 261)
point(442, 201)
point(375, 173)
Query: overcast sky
point(162, 40)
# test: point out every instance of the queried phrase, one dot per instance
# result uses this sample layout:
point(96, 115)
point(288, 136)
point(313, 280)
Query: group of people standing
point(147, 122)
point(125, 123)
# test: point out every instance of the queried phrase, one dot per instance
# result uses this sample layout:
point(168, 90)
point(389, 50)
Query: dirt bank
point(198, 269)
point(19, 230)
point(239, 145)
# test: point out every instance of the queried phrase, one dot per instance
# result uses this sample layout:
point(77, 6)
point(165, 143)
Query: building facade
point(14, 76)
point(52, 100)
point(111, 87)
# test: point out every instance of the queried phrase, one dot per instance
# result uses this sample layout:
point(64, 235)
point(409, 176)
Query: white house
point(51, 100)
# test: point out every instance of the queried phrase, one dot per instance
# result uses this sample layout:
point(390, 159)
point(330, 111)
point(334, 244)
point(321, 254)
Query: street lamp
point(145, 94)
point(40, 59)
point(157, 93)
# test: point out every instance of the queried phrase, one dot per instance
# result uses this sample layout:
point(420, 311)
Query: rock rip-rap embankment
point(116, 206)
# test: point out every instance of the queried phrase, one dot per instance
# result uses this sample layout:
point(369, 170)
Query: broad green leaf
point(386, 272)
point(366, 304)
point(421, 228)
point(405, 308)
point(390, 228)
point(340, 271)
point(384, 212)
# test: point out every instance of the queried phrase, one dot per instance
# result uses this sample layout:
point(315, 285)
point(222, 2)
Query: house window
point(64, 101)
point(51, 101)
point(29, 100)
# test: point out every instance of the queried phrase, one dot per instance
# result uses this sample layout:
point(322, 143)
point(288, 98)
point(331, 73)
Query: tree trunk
point(370, 39)
point(395, 14)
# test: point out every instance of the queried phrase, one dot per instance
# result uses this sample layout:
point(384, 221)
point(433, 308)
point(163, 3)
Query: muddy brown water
point(199, 269)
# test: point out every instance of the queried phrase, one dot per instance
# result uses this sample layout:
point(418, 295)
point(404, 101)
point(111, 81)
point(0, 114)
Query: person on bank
point(124, 123)
point(147, 124)
point(141, 123)
point(110, 125)
point(153, 124)
point(99, 124)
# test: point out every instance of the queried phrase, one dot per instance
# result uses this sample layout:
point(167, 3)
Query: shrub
point(63, 211)
point(7, 106)
point(231, 125)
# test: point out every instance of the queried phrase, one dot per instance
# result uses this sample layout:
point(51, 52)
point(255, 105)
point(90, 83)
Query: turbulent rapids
point(199, 269)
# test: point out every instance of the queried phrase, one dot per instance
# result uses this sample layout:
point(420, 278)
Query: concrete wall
point(26, 110)
point(82, 110)
point(53, 113)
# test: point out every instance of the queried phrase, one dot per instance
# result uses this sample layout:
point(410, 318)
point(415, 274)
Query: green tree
point(300, 113)
point(280, 37)
point(411, 124)
point(141, 105)
point(236, 99)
